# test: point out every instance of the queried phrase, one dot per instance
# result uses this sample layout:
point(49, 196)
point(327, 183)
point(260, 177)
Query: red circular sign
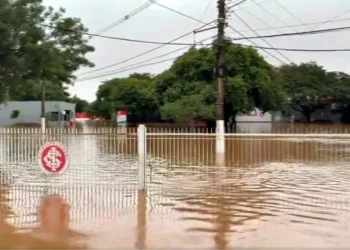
point(53, 158)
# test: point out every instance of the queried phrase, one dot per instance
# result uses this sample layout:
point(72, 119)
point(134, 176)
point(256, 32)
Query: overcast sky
point(158, 24)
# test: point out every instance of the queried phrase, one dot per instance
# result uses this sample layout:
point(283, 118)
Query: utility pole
point(220, 75)
point(43, 97)
point(43, 94)
point(220, 63)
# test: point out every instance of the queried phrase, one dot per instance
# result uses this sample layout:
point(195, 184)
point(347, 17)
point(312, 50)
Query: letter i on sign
point(53, 158)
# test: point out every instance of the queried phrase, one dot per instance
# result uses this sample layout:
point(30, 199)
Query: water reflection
point(53, 218)
point(271, 192)
point(141, 220)
point(8, 236)
point(52, 230)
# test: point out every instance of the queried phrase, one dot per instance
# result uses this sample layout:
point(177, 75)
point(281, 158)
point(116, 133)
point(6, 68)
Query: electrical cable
point(205, 10)
point(269, 44)
point(324, 38)
point(146, 52)
point(243, 45)
point(236, 4)
point(115, 38)
point(160, 56)
point(137, 67)
point(311, 32)
point(251, 5)
point(270, 13)
point(126, 17)
point(163, 44)
point(296, 25)
point(150, 59)
point(341, 14)
point(173, 10)
point(297, 50)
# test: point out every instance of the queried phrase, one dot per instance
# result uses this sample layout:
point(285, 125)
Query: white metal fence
point(105, 157)
point(106, 163)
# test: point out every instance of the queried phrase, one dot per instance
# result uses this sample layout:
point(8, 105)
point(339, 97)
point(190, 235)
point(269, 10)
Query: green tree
point(31, 53)
point(307, 84)
point(81, 105)
point(100, 108)
point(194, 106)
point(251, 82)
point(340, 82)
point(32, 92)
point(135, 94)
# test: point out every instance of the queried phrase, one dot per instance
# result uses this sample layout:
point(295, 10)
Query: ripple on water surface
point(268, 205)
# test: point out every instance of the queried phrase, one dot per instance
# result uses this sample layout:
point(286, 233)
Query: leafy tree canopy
point(310, 86)
point(31, 53)
point(136, 94)
point(190, 82)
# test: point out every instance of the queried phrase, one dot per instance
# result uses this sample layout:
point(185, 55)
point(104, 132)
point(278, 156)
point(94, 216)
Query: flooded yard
point(272, 192)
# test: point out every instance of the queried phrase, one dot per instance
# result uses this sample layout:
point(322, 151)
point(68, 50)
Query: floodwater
point(272, 192)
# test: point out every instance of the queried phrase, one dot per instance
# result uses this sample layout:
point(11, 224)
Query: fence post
point(220, 143)
point(43, 124)
point(142, 152)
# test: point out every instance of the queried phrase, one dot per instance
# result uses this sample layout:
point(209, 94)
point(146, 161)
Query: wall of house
point(30, 111)
point(253, 127)
point(258, 116)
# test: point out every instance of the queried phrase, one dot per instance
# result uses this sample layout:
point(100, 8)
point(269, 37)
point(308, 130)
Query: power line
point(205, 10)
point(190, 17)
point(115, 38)
point(156, 57)
point(251, 5)
point(268, 43)
point(296, 25)
point(197, 20)
point(270, 13)
point(341, 14)
point(256, 33)
point(302, 22)
point(126, 17)
point(120, 71)
point(146, 52)
point(252, 42)
point(235, 4)
point(263, 8)
point(163, 44)
point(311, 32)
point(266, 51)
point(132, 67)
point(297, 50)
point(173, 10)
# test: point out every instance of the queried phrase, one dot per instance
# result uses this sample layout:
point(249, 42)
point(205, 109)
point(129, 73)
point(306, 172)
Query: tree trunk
point(307, 111)
point(234, 124)
point(307, 116)
point(211, 125)
point(231, 124)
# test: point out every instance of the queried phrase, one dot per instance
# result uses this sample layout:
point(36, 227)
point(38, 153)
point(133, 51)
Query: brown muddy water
point(272, 192)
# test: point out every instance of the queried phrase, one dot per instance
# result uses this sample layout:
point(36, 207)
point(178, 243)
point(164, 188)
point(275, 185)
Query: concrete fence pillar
point(142, 153)
point(43, 124)
point(220, 142)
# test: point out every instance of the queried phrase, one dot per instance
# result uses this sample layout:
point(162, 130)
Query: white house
point(29, 112)
point(258, 116)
